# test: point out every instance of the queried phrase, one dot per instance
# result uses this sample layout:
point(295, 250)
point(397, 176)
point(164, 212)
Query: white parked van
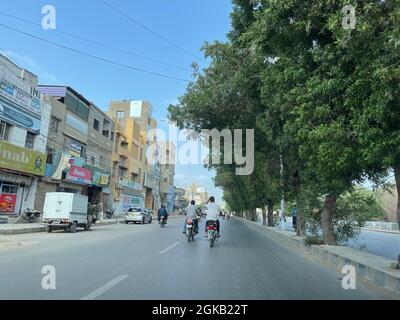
point(66, 211)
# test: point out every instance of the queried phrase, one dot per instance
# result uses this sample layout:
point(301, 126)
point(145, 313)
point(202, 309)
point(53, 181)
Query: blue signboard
point(12, 113)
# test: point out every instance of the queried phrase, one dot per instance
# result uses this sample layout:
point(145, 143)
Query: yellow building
point(128, 165)
point(133, 124)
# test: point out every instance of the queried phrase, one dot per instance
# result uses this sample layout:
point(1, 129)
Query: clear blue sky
point(189, 23)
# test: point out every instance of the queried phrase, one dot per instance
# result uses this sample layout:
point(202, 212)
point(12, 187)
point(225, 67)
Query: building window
point(120, 114)
point(9, 188)
point(4, 130)
point(49, 157)
point(30, 140)
point(92, 161)
point(165, 180)
point(112, 136)
point(141, 155)
point(53, 126)
point(101, 162)
point(96, 124)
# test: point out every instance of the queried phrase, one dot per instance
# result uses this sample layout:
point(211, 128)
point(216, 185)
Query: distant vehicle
point(109, 213)
point(66, 211)
point(138, 215)
point(163, 222)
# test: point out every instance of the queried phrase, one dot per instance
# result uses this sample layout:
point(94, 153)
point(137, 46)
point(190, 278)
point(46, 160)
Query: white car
point(138, 215)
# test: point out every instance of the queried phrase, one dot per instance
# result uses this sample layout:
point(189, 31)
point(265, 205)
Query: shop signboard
point(30, 103)
point(10, 112)
point(80, 175)
point(131, 185)
point(21, 159)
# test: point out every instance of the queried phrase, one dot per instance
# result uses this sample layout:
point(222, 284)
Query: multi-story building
point(167, 151)
point(79, 147)
point(141, 112)
point(24, 125)
point(196, 193)
point(179, 199)
point(128, 164)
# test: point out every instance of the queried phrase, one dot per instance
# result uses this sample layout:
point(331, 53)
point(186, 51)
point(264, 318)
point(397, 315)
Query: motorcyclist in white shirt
point(191, 213)
point(213, 211)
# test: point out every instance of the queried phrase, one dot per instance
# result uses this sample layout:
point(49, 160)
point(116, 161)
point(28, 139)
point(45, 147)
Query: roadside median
point(370, 267)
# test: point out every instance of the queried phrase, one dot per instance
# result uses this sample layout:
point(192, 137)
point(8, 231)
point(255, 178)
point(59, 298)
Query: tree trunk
point(270, 206)
point(397, 178)
point(326, 219)
point(264, 216)
point(301, 223)
point(253, 214)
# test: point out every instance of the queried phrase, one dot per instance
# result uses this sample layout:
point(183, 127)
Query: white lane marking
point(93, 295)
point(169, 248)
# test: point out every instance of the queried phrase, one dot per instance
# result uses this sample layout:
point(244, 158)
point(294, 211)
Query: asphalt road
point(147, 262)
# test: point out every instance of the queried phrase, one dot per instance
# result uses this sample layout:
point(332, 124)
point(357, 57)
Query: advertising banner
point(7, 203)
point(80, 175)
point(21, 159)
point(131, 201)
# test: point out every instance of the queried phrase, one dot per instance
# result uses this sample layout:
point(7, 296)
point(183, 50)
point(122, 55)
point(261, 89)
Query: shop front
point(98, 191)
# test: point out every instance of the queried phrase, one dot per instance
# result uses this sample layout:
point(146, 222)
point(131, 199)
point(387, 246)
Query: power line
point(93, 56)
point(149, 30)
point(97, 43)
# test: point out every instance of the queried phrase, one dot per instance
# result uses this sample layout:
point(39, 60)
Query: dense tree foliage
point(323, 98)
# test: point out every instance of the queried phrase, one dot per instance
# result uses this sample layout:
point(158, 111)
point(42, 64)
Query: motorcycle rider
point(191, 213)
point(162, 212)
point(213, 211)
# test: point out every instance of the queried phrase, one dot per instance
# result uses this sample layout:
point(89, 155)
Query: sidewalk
point(18, 228)
point(370, 267)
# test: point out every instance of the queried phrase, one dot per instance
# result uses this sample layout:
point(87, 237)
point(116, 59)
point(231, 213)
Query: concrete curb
point(381, 230)
point(23, 230)
point(370, 267)
point(41, 228)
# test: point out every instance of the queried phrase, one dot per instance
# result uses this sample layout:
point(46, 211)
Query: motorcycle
point(31, 216)
point(109, 213)
point(190, 232)
point(163, 222)
point(212, 234)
